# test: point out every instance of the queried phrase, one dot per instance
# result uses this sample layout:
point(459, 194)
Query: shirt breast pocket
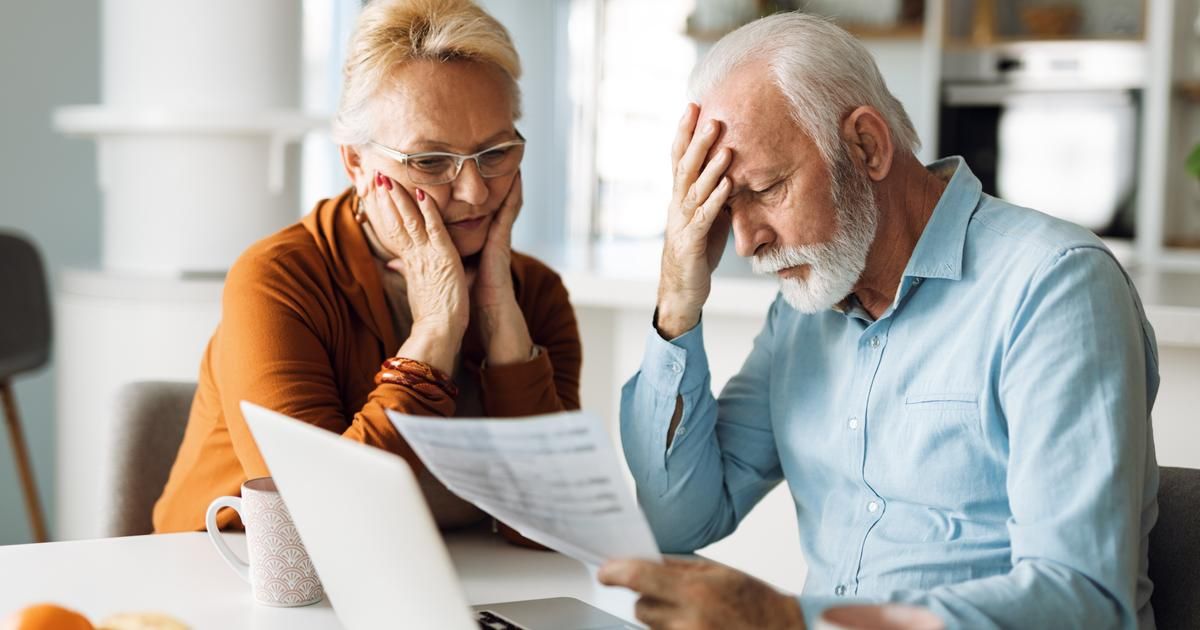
point(938, 446)
point(934, 409)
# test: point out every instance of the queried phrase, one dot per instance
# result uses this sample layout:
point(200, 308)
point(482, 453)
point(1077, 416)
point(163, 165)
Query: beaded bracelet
point(422, 377)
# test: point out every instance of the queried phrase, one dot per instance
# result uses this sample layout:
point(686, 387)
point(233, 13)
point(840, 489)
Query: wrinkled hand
point(697, 228)
point(493, 284)
point(502, 325)
point(433, 272)
point(696, 594)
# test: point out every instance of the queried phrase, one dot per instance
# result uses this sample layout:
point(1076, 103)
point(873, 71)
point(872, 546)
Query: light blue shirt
point(983, 449)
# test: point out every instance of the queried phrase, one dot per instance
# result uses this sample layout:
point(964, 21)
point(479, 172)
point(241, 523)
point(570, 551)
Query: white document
point(555, 479)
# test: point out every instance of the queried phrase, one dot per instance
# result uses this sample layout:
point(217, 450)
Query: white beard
point(834, 266)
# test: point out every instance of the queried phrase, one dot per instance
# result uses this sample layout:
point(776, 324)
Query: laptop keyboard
point(489, 620)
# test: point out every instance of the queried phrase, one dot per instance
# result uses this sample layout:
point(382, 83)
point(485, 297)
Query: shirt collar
point(939, 252)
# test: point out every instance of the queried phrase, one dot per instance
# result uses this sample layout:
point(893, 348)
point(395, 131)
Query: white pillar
point(197, 159)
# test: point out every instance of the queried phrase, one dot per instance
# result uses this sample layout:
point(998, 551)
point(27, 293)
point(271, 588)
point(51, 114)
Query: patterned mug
point(280, 572)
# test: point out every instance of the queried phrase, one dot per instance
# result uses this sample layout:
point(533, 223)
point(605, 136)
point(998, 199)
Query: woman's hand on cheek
point(493, 286)
point(501, 323)
point(436, 282)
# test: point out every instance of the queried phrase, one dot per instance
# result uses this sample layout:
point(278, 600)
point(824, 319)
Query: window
point(327, 27)
point(627, 84)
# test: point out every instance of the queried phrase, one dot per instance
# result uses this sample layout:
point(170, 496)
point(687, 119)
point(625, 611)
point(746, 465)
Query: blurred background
point(147, 143)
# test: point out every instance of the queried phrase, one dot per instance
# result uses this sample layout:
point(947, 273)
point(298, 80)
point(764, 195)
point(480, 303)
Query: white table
point(182, 575)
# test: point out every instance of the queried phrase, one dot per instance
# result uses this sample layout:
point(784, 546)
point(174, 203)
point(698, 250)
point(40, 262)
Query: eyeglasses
point(433, 168)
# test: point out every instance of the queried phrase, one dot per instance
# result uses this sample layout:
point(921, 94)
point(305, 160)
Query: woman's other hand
point(433, 272)
point(501, 323)
point(493, 285)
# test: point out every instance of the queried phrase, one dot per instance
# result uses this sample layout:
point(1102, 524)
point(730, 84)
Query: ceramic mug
point(280, 572)
point(879, 617)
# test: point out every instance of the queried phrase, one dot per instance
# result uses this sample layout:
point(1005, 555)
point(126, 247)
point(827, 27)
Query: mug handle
point(214, 532)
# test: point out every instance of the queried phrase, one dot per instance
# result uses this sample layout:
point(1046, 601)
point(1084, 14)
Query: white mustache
point(779, 259)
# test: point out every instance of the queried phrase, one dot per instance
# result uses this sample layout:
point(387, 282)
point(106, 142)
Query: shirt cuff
point(676, 366)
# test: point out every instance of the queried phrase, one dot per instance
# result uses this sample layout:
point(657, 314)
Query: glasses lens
point(502, 161)
point(431, 169)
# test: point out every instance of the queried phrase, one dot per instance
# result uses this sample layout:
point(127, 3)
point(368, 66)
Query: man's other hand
point(696, 594)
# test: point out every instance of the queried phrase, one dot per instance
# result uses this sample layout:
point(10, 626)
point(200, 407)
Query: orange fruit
point(46, 617)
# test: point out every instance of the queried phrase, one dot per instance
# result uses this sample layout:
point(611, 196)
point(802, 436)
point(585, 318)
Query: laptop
point(374, 543)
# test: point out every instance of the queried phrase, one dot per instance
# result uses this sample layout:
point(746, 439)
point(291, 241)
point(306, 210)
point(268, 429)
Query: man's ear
point(352, 162)
point(867, 135)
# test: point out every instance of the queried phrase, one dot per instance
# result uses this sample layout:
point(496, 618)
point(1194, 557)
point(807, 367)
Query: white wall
point(48, 57)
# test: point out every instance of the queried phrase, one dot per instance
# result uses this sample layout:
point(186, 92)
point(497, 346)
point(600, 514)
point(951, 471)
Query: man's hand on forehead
point(696, 226)
point(721, 140)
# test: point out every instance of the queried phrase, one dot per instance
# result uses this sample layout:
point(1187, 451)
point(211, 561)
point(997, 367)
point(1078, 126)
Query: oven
point(1050, 125)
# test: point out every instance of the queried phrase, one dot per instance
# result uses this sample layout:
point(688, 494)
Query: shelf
point(98, 120)
point(903, 31)
point(914, 30)
point(1188, 90)
point(1184, 245)
point(960, 43)
point(280, 128)
point(1179, 259)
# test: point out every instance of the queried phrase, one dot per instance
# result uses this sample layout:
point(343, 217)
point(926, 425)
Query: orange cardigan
point(305, 325)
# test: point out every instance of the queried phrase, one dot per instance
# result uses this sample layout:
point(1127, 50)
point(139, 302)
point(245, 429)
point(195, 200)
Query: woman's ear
point(353, 163)
point(870, 141)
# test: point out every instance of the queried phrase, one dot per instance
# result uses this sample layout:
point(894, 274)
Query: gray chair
point(1175, 550)
point(151, 418)
point(24, 347)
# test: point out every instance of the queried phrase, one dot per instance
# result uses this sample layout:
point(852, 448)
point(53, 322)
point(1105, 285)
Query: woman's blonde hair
point(391, 33)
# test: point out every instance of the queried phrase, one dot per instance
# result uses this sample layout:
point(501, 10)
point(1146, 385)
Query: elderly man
point(957, 390)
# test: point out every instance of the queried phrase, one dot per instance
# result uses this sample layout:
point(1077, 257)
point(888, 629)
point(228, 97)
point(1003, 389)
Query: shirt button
point(873, 507)
point(874, 342)
point(680, 430)
point(840, 590)
point(853, 424)
point(676, 368)
point(916, 281)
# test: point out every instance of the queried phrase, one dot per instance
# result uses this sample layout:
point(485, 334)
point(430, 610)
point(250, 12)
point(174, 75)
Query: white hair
point(823, 72)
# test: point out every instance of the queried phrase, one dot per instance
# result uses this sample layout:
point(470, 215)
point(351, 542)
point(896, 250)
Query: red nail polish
point(378, 179)
point(420, 195)
point(387, 182)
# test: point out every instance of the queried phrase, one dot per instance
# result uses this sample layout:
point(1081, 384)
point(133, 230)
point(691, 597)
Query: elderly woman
point(402, 293)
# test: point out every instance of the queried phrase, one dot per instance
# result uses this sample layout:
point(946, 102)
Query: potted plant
point(1192, 166)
